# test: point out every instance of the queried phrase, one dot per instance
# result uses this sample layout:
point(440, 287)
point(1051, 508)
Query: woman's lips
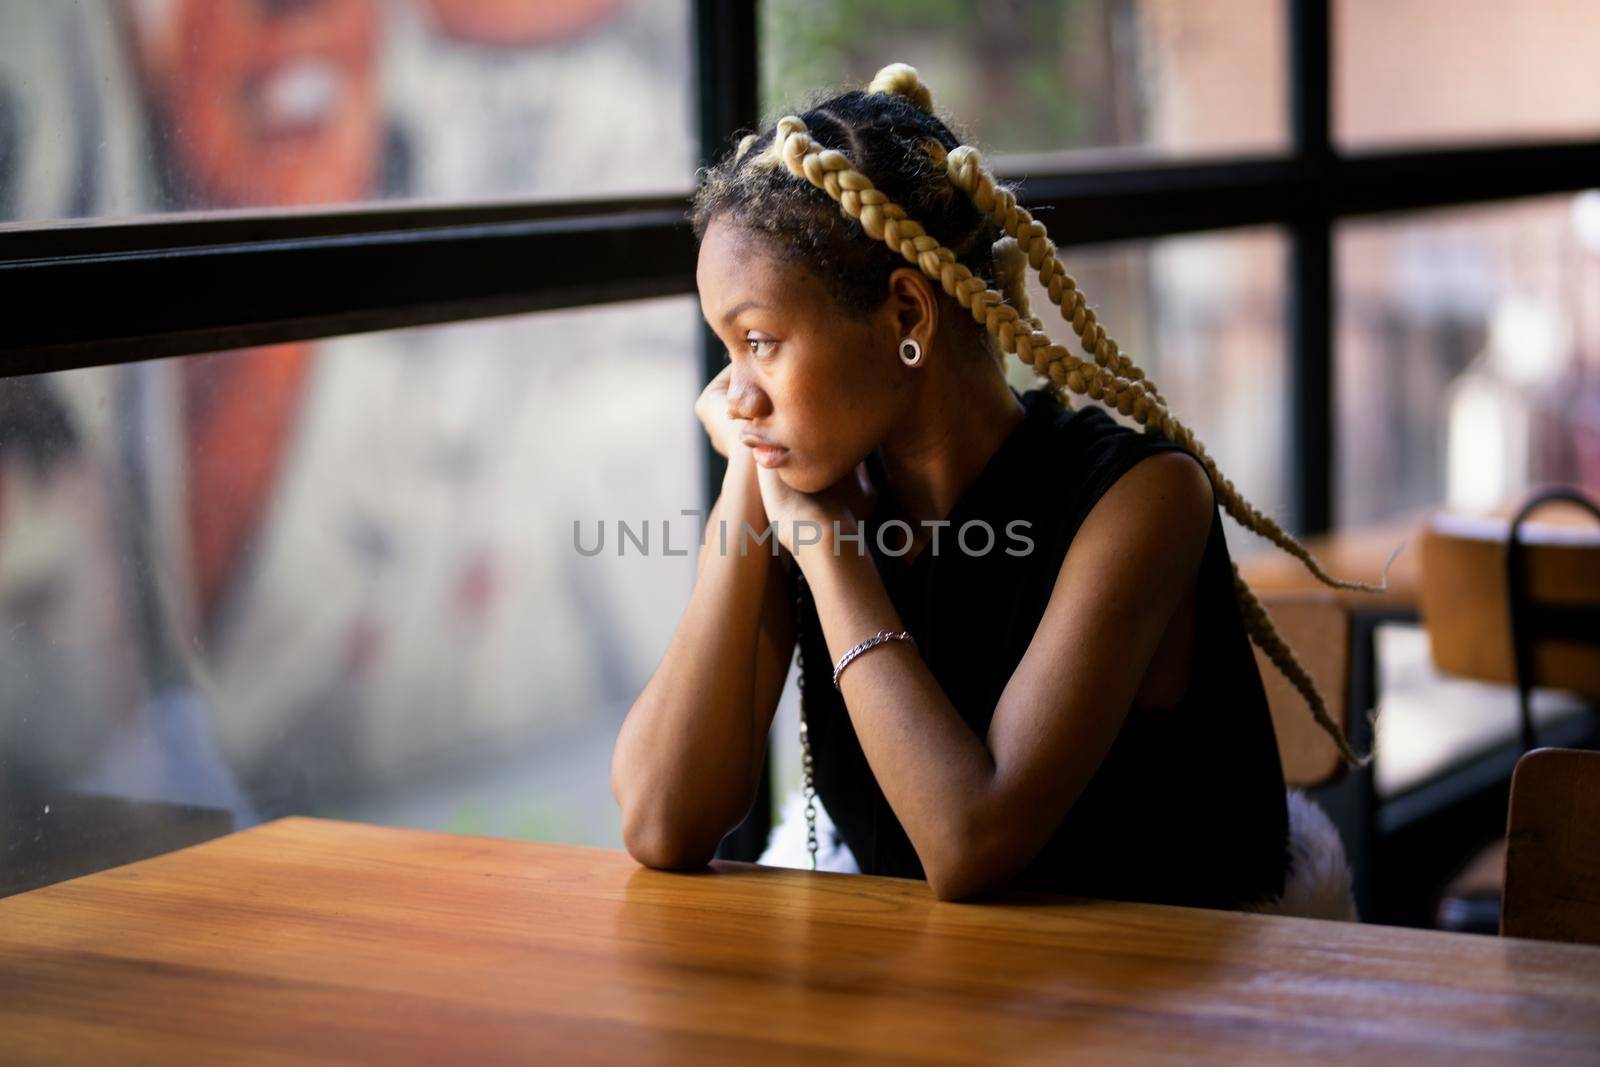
point(770, 455)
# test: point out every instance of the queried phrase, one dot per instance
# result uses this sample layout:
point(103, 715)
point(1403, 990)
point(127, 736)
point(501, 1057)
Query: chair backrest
point(1316, 624)
point(1465, 604)
point(1552, 889)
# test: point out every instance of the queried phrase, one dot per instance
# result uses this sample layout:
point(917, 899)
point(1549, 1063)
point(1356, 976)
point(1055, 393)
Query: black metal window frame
point(101, 293)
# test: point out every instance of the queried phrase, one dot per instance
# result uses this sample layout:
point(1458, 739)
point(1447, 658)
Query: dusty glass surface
point(130, 107)
point(1462, 71)
point(341, 579)
point(1058, 83)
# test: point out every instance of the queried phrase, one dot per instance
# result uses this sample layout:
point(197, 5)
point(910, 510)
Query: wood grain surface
point(308, 940)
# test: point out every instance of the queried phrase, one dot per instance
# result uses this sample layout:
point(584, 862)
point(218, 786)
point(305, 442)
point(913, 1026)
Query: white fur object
point(1318, 885)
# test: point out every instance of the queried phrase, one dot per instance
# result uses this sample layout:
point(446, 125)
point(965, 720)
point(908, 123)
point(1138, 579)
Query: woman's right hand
point(712, 410)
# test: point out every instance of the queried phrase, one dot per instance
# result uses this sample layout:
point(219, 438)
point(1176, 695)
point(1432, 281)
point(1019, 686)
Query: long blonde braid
point(1113, 378)
point(1011, 280)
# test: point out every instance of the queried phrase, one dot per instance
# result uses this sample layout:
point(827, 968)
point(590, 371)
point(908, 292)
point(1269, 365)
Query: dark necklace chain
point(808, 790)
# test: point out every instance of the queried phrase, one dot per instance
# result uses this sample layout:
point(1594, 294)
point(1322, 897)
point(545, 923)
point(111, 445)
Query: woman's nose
point(746, 399)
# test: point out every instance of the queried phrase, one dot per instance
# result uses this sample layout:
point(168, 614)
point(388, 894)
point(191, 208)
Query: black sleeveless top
point(1189, 804)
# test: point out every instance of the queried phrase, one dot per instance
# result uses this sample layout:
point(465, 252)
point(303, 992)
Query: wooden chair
point(1317, 626)
point(1519, 605)
point(1552, 868)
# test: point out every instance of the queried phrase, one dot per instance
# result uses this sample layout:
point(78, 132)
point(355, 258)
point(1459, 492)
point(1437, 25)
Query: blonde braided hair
point(1112, 377)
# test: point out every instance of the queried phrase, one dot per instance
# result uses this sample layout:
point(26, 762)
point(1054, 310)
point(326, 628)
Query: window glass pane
point(112, 108)
point(1464, 70)
point(1101, 79)
point(340, 579)
point(1468, 356)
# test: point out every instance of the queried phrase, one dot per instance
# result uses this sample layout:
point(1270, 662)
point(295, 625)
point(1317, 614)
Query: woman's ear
point(913, 305)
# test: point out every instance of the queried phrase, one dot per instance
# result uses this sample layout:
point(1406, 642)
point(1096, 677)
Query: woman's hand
point(712, 409)
point(848, 502)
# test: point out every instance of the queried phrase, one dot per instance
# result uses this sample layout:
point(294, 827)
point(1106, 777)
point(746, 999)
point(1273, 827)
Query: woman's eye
point(755, 348)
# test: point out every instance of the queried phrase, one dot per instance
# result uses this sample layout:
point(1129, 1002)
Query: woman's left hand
point(847, 502)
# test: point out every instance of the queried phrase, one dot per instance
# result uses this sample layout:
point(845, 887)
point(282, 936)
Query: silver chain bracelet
point(872, 642)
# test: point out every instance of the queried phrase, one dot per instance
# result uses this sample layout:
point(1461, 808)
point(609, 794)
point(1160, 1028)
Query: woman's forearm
point(935, 772)
point(682, 768)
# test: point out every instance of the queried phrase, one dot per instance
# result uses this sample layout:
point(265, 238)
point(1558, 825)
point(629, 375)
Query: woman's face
point(805, 376)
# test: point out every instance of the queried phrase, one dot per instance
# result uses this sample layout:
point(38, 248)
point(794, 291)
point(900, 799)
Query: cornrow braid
point(1112, 378)
point(887, 135)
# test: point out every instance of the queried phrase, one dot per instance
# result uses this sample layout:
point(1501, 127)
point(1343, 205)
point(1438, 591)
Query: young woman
point(1025, 655)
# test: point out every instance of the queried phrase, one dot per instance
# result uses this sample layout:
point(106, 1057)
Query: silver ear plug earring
point(911, 351)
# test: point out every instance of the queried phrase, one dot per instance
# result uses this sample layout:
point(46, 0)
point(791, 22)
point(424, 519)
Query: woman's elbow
point(958, 886)
point(667, 858)
point(959, 892)
point(660, 848)
point(972, 872)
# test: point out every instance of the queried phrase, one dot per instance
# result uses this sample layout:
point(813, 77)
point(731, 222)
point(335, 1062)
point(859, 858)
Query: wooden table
point(307, 940)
